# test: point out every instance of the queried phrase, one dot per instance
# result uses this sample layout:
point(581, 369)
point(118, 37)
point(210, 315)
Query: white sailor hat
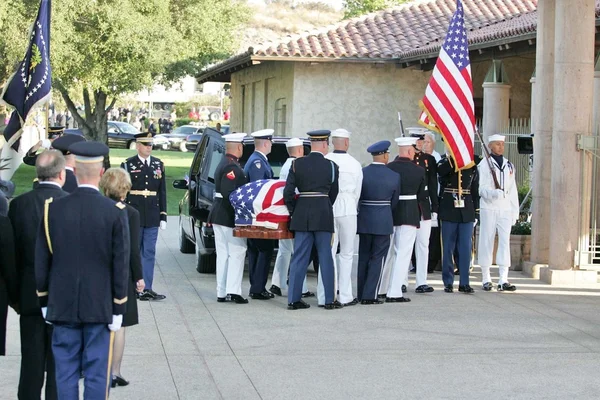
point(266, 134)
point(234, 137)
point(341, 133)
point(406, 141)
point(496, 138)
point(293, 142)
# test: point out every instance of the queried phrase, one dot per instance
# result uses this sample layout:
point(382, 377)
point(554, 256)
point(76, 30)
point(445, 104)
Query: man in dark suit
point(378, 197)
point(407, 215)
point(62, 144)
point(148, 195)
point(8, 278)
point(231, 251)
point(260, 251)
point(26, 213)
point(316, 179)
point(82, 276)
point(459, 202)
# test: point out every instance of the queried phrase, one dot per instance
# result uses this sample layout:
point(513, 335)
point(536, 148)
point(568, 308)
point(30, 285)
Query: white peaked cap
point(263, 133)
point(496, 138)
point(234, 137)
point(293, 142)
point(406, 141)
point(341, 133)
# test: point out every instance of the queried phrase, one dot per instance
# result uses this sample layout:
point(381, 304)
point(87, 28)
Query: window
point(218, 152)
point(280, 116)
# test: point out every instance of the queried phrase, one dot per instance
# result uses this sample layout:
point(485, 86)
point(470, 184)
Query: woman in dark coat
point(116, 183)
point(8, 277)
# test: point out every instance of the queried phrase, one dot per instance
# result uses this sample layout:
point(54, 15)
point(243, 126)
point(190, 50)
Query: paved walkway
point(541, 342)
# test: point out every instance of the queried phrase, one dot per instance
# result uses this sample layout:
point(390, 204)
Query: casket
point(260, 232)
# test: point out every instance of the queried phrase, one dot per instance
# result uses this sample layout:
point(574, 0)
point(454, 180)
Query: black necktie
point(146, 163)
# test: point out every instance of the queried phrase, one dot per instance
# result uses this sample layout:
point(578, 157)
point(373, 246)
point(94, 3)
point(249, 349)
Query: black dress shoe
point(298, 305)
point(151, 295)
point(448, 288)
point(237, 299)
point(424, 289)
point(488, 286)
point(118, 381)
point(333, 306)
point(260, 296)
point(382, 296)
point(268, 294)
point(351, 303)
point(404, 289)
point(275, 290)
point(397, 300)
point(368, 302)
point(221, 299)
point(308, 294)
point(466, 289)
point(506, 287)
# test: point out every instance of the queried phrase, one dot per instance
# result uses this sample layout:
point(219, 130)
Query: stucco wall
point(267, 87)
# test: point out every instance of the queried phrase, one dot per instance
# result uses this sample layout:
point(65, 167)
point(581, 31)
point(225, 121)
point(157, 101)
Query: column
point(496, 100)
point(573, 99)
point(542, 119)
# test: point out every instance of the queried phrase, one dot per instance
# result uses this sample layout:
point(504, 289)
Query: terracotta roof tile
point(405, 29)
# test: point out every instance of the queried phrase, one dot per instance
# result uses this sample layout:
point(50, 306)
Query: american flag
point(260, 203)
point(448, 100)
point(30, 86)
point(426, 122)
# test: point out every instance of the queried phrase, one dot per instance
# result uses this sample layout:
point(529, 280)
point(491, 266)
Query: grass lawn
point(177, 165)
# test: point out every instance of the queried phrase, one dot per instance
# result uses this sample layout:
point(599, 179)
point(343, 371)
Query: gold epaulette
point(46, 224)
point(120, 205)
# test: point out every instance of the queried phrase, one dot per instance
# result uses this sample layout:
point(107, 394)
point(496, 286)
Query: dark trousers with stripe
point(303, 243)
point(372, 250)
point(148, 237)
point(87, 347)
point(459, 236)
point(37, 362)
point(260, 254)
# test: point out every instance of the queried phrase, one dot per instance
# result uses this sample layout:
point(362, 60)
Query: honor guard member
point(344, 212)
point(499, 211)
point(62, 144)
point(435, 245)
point(406, 215)
point(316, 180)
point(26, 212)
point(459, 201)
point(54, 132)
point(378, 197)
point(260, 251)
point(148, 195)
point(82, 276)
point(295, 149)
point(231, 251)
point(429, 208)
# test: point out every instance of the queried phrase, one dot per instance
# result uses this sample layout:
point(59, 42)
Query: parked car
point(121, 135)
point(191, 142)
point(161, 142)
point(195, 235)
point(177, 138)
point(210, 113)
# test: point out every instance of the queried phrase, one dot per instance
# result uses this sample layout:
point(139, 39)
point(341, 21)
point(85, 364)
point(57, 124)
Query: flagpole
point(46, 134)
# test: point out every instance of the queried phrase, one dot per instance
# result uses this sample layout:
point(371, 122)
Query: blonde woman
point(115, 184)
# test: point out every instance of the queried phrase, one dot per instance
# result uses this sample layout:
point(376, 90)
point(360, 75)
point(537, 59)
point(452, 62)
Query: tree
point(356, 8)
point(103, 49)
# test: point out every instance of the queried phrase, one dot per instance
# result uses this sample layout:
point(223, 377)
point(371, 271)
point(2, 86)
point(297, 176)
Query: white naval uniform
point(499, 210)
point(345, 210)
point(285, 247)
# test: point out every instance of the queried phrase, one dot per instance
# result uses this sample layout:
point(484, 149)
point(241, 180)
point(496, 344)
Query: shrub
point(521, 228)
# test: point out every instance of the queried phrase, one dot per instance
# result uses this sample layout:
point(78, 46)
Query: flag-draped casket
point(260, 211)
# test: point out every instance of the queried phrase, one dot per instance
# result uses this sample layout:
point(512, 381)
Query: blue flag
point(30, 85)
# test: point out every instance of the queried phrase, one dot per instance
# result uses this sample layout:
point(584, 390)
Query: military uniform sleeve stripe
point(41, 294)
point(162, 212)
point(46, 224)
point(120, 301)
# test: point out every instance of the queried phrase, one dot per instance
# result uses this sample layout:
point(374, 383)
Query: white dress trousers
point(422, 252)
point(231, 254)
point(404, 241)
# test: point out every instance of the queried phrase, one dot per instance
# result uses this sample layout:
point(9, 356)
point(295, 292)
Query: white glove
point(116, 323)
point(163, 225)
point(44, 312)
point(434, 220)
point(46, 143)
point(498, 193)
